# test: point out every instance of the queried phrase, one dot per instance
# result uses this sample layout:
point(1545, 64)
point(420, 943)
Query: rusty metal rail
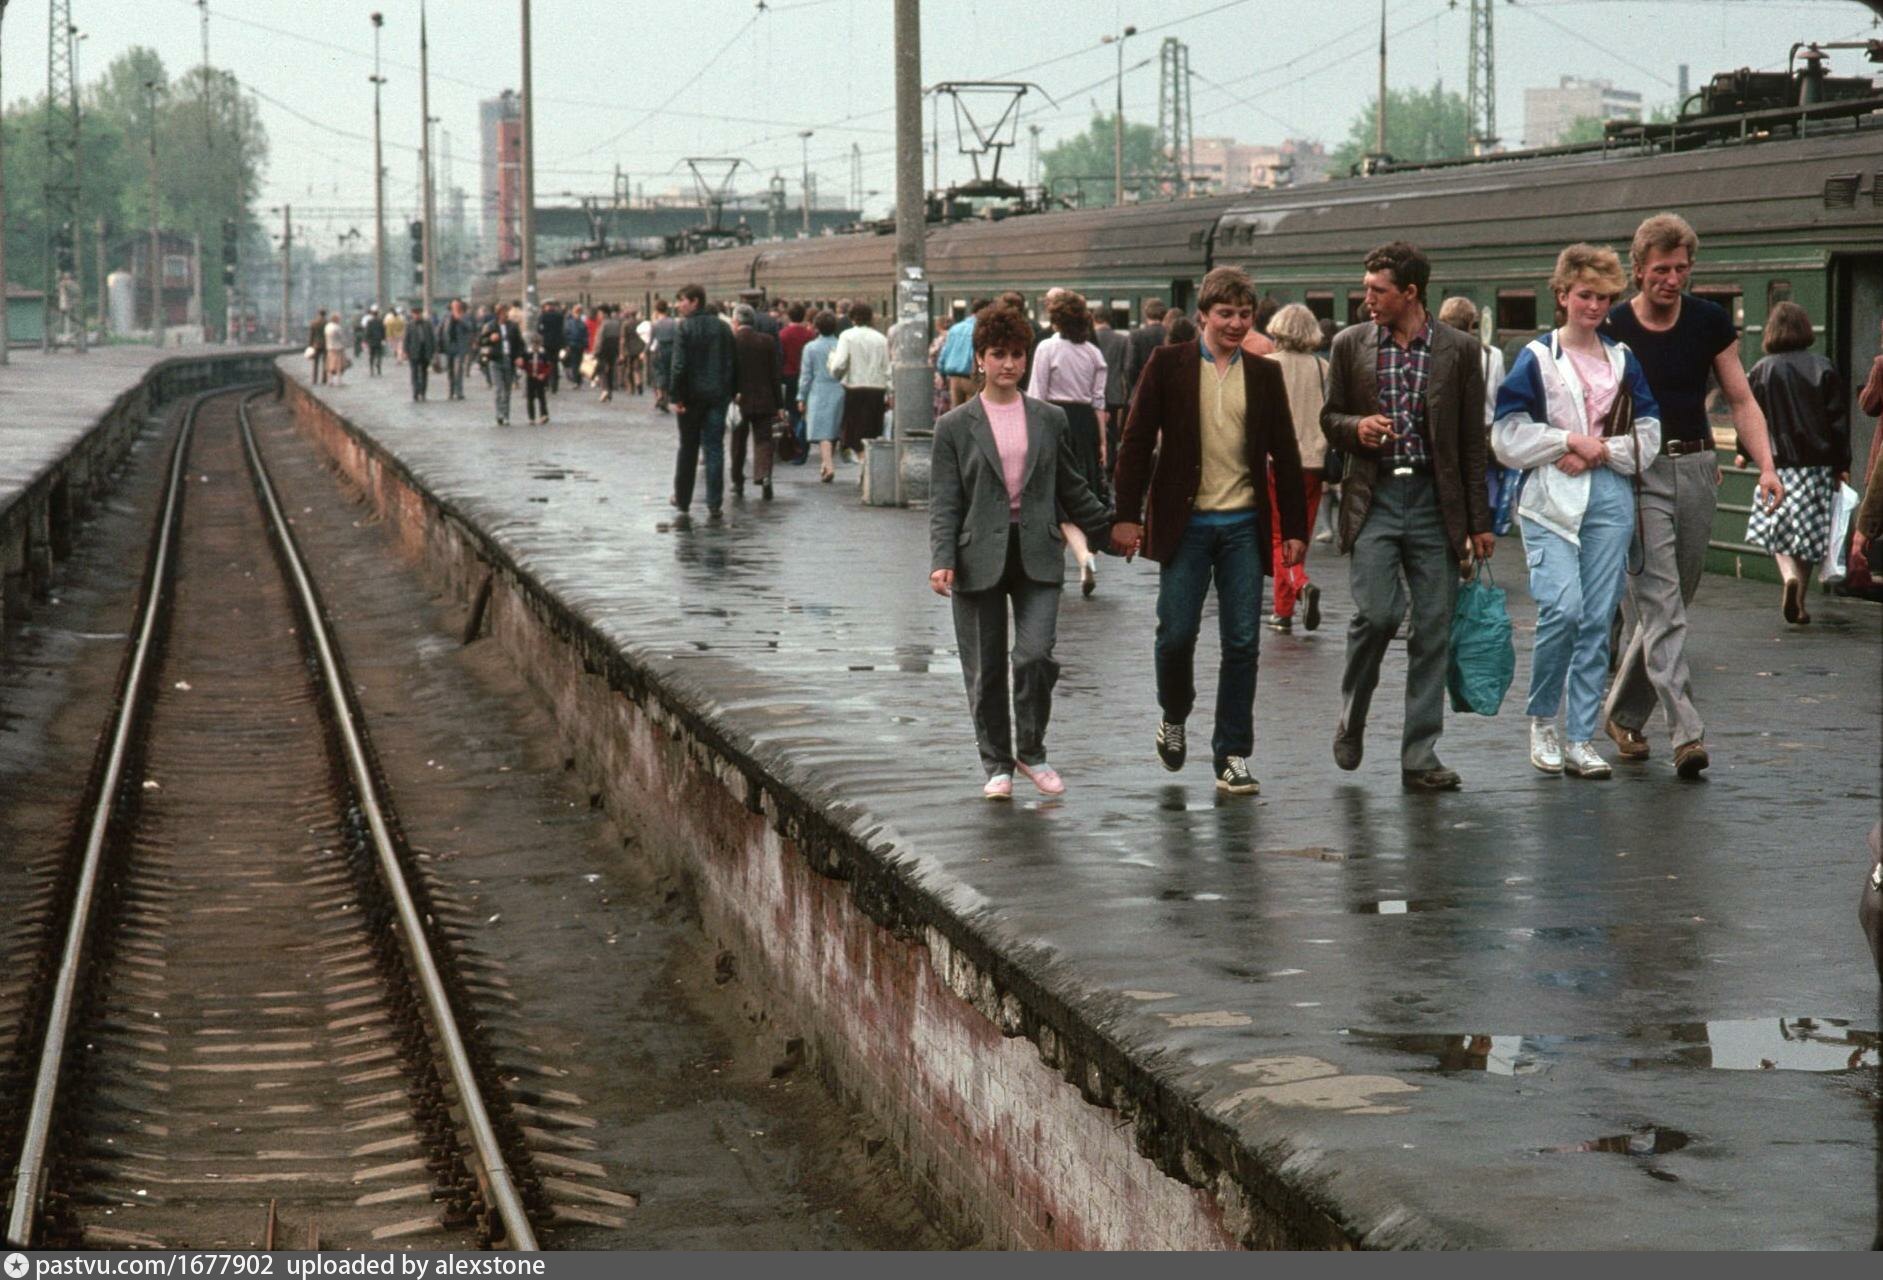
point(502, 1201)
point(499, 1186)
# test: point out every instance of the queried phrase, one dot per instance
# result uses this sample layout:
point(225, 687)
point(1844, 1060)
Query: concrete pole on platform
point(529, 185)
point(910, 373)
point(1379, 123)
point(379, 180)
point(425, 161)
point(5, 304)
point(104, 294)
point(287, 271)
point(156, 239)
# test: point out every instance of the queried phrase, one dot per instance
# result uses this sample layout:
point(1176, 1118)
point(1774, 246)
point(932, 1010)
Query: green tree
point(205, 157)
point(1082, 166)
point(1582, 129)
point(1429, 124)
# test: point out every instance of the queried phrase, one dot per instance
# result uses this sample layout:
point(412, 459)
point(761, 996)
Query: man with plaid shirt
point(1405, 404)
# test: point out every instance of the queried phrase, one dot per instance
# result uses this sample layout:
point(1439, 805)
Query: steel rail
point(28, 1188)
point(502, 1187)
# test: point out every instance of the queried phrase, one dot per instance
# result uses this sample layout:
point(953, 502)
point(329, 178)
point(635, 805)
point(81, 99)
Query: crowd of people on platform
point(1208, 442)
point(1208, 448)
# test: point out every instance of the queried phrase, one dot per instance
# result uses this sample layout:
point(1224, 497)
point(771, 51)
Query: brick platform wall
point(1009, 1132)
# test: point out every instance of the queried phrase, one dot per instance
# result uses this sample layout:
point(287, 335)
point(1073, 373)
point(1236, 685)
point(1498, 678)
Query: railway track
point(243, 1027)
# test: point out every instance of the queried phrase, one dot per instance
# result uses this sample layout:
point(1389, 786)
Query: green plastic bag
point(1483, 654)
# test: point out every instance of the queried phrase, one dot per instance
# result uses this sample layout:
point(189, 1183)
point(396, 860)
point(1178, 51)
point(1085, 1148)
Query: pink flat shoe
point(999, 787)
point(1045, 777)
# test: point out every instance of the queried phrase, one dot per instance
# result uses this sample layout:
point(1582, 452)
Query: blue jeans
point(1232, 553)
point(1576, 589)
point(702, 426)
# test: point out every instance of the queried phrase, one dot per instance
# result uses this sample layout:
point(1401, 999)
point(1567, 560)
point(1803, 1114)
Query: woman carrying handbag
point(1577, 417)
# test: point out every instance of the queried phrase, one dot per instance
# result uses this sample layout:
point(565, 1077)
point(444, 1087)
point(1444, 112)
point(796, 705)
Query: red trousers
point(1291, 582)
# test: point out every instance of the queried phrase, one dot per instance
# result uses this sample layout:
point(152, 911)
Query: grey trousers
point(981, 634)
point(1404, 532)
point(1678, 497)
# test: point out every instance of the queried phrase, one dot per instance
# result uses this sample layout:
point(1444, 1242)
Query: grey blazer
point(968, 508)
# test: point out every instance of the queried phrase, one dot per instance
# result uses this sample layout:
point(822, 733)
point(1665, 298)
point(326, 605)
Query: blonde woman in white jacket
point(1562, 418)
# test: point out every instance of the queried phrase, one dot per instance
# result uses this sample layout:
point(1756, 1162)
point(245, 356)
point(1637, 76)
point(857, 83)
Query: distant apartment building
point(1548, 113)
point(1223, 164)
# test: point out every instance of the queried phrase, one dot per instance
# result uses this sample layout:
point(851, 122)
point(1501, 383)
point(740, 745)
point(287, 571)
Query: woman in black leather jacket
point(1805, 408)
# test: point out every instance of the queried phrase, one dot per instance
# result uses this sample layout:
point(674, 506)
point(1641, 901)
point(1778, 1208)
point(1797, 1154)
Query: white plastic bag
point(1843, 510)
point(733, 416)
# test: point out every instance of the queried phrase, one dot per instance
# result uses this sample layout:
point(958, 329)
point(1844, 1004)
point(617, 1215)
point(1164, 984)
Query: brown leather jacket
point(759, 370)
point(1454, 429)
point(1166, 421)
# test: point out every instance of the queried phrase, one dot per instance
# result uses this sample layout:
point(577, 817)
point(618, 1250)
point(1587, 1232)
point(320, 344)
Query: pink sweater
point(1009, 424)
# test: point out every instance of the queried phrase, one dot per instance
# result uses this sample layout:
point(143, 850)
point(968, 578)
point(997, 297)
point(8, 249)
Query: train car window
point(1180, 294)
point(1776, 291)
point(1356, 306)
point(1321, 303)
point(958, 308)
point(1516, 308)
point(1730, 296)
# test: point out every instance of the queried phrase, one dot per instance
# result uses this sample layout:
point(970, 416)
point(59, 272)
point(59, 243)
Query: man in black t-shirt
point(1680, 341)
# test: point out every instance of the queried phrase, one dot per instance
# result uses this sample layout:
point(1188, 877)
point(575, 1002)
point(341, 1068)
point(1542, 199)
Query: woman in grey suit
point(1003, 471)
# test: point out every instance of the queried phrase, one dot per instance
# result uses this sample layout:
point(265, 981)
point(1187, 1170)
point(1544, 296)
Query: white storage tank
point(121, 291)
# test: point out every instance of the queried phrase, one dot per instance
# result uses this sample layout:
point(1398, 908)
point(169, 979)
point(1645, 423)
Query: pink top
point(1073, 371)
point(1598, 386)
point(1009, 423)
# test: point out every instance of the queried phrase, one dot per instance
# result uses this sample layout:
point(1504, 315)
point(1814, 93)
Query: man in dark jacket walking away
point(1405, 406)
point(421, 344)
point(760, 371)
point(700, 388)
point(459, 333)
point(1145, 339)
point(550, 326)
point(375, 342)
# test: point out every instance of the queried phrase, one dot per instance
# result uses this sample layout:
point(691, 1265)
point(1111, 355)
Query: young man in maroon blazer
point(1214, 420)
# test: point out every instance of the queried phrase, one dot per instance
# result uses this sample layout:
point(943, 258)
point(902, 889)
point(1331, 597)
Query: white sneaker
point(1546, 745)
point(1584, 761)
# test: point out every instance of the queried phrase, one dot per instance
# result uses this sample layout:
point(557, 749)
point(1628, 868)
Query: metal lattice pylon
point(1481, 80)
point(1175, 138)
point(62, 161)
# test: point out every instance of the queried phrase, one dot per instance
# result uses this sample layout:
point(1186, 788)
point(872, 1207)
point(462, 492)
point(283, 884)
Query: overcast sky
point(643, 83)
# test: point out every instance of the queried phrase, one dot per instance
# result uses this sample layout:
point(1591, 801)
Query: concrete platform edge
point(646, 743)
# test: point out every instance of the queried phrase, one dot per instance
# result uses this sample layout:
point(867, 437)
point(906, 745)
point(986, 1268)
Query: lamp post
point(804, 142)
point(1118, 118)
point(287, 267)
point(529, 186)
point(910, 375)
point(78, 163)
point(379, 180)
point(5, 304)
point(425, 159)
point(156, 241)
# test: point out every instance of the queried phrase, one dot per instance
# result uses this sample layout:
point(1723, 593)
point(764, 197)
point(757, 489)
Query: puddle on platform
point(1651, 1141)
point(1401, 906)
point(1819, 1045)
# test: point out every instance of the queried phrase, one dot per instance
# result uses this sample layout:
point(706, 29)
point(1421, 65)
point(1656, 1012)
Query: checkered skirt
point(1802, 524)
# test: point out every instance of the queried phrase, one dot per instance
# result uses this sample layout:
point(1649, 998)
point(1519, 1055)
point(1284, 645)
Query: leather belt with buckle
point(1680, 448)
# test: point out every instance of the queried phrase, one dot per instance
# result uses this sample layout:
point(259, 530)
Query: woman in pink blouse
point(1069, 371)
point(1003, 476)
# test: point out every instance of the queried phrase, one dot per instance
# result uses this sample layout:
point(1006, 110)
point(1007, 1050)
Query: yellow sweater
point(1223, 418)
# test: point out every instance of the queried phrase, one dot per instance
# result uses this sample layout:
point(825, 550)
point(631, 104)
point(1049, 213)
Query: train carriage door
point(1182, 294)
point(1853, 343)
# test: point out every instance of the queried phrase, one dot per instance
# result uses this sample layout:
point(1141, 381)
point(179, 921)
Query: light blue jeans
point(1576, 590)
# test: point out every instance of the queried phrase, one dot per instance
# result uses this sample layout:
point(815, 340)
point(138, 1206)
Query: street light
point(379, 179)
point(1118, 120)
point(156, 242)
point(804, 142)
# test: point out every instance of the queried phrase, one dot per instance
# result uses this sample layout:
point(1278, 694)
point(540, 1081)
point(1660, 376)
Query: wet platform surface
point(48, 401)
point(1537, 1013)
